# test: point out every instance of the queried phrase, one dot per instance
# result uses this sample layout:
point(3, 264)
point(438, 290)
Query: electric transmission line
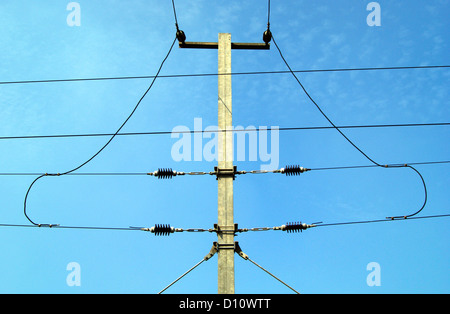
point(218, 74)
point(367, 126)
point(104, 146)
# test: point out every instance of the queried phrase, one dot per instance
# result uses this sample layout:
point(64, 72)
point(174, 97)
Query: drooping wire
point(350, 141)
point(425, 197)
point(104, 146)
point(318, 107)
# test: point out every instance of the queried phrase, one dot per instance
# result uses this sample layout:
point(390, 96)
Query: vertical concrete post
point(225, 165)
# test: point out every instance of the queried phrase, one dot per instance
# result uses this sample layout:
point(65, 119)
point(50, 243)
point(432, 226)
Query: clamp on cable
point(47, 225)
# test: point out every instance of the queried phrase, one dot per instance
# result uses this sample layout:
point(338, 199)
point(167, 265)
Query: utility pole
point(225, 170)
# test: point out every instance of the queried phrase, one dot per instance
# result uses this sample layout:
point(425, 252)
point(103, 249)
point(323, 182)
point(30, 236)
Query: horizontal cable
point(199, 173)
point(56, 226)
point(159, 232)
point(388, 165)
point(216, 74)
point(380, 220)
point(157, 229)
point(295, 227)
point(224, 131)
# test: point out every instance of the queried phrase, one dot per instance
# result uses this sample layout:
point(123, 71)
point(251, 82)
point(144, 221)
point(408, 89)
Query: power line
point(199, 173)
point(375, 166)
point(379, 220)
point(175, 13)
point(351, 142)
point(289, 228)
point(67, 227)
point(314, 225)
point(234, 130)
point(107, 143)
point(158, 229)
point(299, 226)
point(217, 74)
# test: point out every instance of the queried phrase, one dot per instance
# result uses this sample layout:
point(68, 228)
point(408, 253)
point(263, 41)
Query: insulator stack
point(162, 230)
point(294, 227)
point(293, 170)
point(164, 173)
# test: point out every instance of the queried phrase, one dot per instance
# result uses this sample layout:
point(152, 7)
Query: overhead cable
point(305, 128)
point(180, 35)
point(216, 74)
point(172, 173)
point(104, 146)
point(352, 143)
point(211, 230)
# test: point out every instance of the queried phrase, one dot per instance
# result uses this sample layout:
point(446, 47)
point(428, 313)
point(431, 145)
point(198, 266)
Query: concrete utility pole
point(226, 170)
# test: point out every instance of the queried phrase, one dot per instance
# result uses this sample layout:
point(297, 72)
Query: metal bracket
point(226, 229)
point(213, 251)
point(222, 173)
point(238, 250)
point(224, 246)
point(214, 45)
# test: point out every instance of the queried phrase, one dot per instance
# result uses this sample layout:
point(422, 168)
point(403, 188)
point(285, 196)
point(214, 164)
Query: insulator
point(293, 170)
point(164, 173)
point(162, 230)
point(294, 227)
point(267, 36)
point(181, 36)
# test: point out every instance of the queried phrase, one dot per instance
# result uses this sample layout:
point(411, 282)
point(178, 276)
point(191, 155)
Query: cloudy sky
point(131, 38)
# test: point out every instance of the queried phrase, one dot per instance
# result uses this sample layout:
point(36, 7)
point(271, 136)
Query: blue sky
point(130, 38)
